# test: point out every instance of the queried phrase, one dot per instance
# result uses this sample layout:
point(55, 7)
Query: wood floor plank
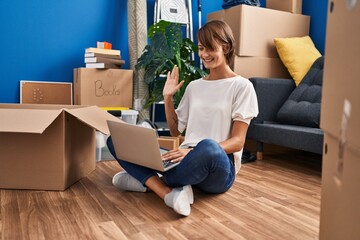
point(1, 214)
point(114, 211)
point(276, 198)
point(10, 216)
point(207, 227)
point(111, 231)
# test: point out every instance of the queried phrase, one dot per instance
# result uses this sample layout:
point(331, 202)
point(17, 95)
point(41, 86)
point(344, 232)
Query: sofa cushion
point(303, 105)
point(297, 54)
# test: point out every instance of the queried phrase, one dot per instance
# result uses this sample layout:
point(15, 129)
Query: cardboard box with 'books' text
point(103, 87)
point(48, 147)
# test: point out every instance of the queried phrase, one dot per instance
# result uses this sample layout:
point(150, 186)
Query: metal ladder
point(177, 11)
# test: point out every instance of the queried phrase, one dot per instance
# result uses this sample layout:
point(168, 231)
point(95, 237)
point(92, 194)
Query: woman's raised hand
point(172, 84)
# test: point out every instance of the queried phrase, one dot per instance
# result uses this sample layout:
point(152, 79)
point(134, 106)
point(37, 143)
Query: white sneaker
point(125, 182)
point(189, 192)
point(178, 200)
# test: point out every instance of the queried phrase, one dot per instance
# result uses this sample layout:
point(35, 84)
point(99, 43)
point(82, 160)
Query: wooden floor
point(276, 198)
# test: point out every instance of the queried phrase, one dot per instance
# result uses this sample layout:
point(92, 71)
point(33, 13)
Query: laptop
point(139, 145)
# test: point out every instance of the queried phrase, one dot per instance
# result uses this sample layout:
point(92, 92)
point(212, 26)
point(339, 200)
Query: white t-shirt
point(209, 107)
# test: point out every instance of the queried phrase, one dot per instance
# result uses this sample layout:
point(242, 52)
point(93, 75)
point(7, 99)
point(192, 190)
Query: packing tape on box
point(346, 113)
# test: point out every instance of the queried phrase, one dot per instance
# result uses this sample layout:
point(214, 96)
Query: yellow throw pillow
point(297, 54)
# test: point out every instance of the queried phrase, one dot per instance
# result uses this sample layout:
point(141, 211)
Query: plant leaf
point(166, 48)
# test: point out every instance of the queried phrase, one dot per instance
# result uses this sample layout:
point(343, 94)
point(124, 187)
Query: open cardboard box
point(48, 147)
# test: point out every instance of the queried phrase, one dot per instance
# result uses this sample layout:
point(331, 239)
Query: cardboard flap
point(94, 117)
point(26, 120)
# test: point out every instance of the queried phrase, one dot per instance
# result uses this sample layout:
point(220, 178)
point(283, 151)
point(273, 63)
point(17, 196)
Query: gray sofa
point(289, 116)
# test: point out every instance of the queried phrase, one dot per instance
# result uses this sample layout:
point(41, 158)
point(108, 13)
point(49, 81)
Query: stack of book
point(103, 58)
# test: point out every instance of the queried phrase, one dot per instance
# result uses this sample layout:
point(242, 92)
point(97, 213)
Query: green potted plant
point(167, 48)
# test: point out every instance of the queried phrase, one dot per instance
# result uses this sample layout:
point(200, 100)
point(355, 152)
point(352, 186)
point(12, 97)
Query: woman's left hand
point(176, 155)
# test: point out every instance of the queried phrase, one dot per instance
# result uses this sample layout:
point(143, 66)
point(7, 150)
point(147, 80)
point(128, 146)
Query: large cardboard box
point(340, 107)
point(340, 117)
point(103, 87)
point(293, 6)
point(255, 28)
point(48, 147)
point(260, 67)
point(340, 192)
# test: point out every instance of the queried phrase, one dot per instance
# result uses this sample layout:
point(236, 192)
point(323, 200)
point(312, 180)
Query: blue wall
point(317, 10)
point(45, 40)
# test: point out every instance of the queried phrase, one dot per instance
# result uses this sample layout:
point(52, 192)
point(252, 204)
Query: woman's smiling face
point(212, 58)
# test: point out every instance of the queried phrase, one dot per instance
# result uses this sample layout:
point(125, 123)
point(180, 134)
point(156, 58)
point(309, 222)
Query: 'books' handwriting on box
point(101, 92)
point(103, 88)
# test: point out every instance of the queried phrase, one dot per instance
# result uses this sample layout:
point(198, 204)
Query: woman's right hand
point(176, 155)
point(172, 84)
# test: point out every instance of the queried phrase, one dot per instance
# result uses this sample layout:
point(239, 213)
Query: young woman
point(215, 111)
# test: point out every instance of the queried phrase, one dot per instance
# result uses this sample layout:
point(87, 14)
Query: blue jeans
point(207, 167)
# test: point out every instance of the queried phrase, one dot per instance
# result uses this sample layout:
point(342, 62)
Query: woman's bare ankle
point(158, 186)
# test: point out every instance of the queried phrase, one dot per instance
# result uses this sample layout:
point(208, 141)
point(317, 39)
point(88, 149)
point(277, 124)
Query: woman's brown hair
point(218, 32)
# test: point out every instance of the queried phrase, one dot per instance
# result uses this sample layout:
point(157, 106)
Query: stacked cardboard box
point(254, 30)
point(293, 6)
point(103, 87)
point(340, 117)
